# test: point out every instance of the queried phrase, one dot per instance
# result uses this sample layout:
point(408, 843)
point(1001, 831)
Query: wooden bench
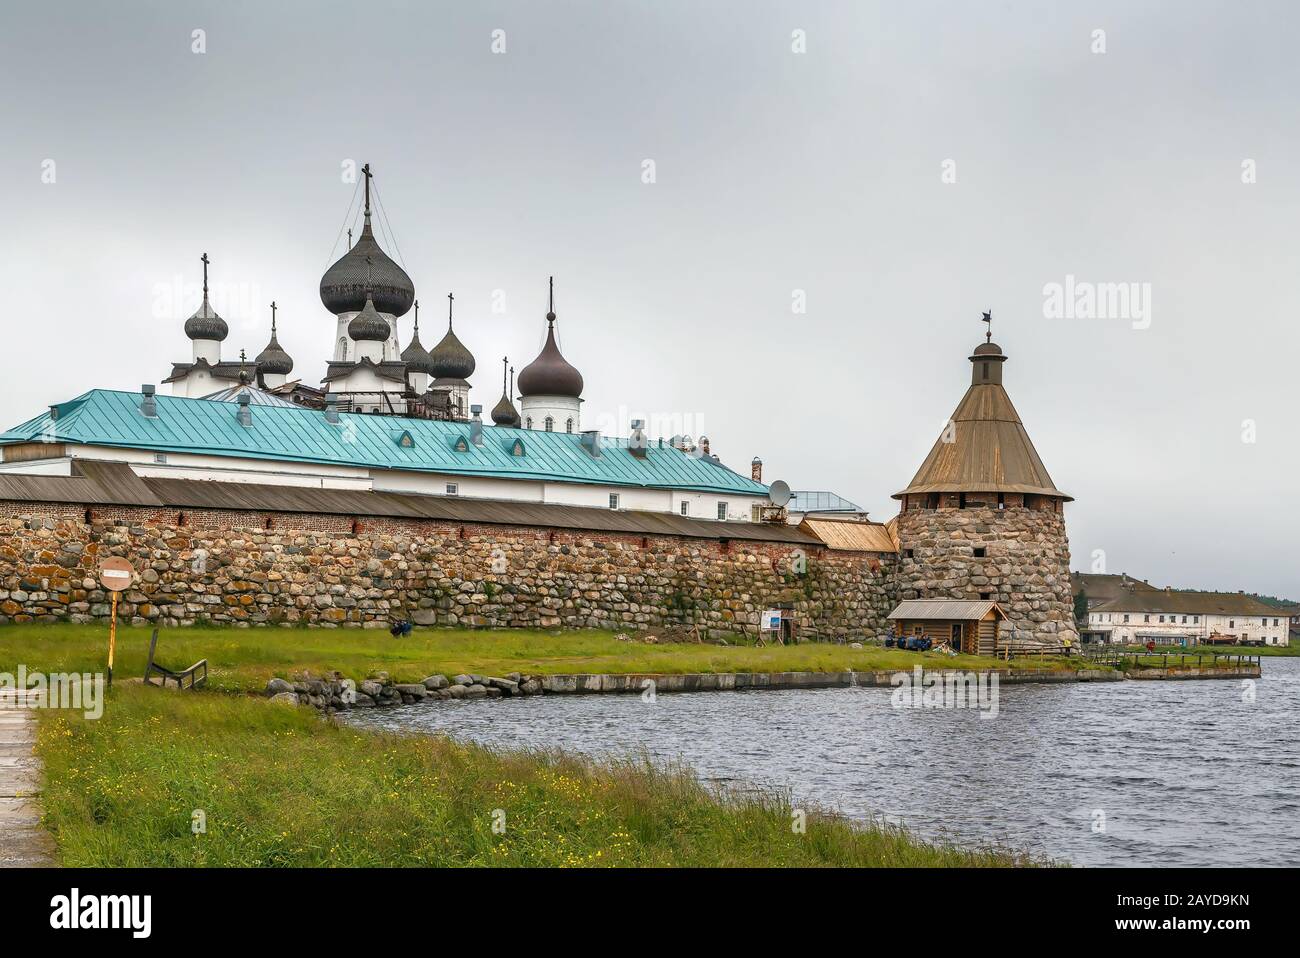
point(194, 676)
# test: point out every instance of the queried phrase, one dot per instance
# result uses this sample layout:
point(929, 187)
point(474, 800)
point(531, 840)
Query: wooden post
point(112, 639)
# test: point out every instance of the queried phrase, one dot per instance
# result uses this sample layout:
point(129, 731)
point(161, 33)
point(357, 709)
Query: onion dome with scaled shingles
point(368, 324)
point(343, 287)
point(415, 356)
point(273, 359)
point(550, 373)
point(504, 412)
point(205, 323)
point(451, 360)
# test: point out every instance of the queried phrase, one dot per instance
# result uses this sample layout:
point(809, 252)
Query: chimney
point(756, 469)
point(148, 405)
point(476, 425)
point(245, 414)
point(332, 408)
point(54, 412)
point(591, 442)
point(637, 443)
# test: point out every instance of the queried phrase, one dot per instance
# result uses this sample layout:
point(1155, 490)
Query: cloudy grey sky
point(776, 171)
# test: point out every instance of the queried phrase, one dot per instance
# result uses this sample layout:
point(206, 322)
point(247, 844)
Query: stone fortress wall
point(248, 568)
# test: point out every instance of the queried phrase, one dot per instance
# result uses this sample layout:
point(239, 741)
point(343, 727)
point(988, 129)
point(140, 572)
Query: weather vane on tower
point(988, 318)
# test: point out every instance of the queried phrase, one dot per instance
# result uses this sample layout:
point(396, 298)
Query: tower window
point(568, 426)
point(979, 552)
point(986, 370)
point(549, 425)
point(1002, 500)
point(528, 423)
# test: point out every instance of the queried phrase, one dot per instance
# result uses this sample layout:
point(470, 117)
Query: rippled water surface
point(1186, 773)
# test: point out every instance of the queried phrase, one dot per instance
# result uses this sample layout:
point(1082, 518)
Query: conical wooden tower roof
point(985, 448)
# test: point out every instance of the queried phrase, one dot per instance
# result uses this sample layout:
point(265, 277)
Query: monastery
point(383, 493)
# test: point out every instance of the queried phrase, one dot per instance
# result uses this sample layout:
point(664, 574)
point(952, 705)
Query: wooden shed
point(967, 625)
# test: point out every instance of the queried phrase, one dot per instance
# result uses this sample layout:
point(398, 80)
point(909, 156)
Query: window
point(528, 423)
point(1184, 620)
point(1196, 620)
point(160, 458)
point(985, 596)
point(1232, 623)
point(907, 553)
point(568, 426)
point(979, 552)
point(1146, 618)
point(1002, 500)
point(722, 510)
point(613, 500)
point(1126, 618)
point(453, 489)
point(1162, 618)
point(686, 508)
point(549, 425)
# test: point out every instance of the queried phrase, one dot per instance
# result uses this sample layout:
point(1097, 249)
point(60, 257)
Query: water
point(1185, 773)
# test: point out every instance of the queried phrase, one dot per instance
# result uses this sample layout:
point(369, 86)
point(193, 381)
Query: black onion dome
point(450, 359)
point(274, 359)
point(343, 287)
point(550, 373)
point(505, 414)
point(416, 357)
point(205, 323)
point(368, 324)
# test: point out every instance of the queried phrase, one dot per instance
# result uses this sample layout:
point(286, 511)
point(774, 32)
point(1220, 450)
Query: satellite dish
point(779, 493)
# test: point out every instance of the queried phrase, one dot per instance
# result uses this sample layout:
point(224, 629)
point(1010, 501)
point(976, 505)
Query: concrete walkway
point(23, 842)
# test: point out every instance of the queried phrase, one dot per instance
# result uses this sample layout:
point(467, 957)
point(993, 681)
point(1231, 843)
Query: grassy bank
point(243, 659)
point(281, 787)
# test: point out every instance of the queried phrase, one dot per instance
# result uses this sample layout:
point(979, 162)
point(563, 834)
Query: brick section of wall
point(220, 567)
point(1026, 566)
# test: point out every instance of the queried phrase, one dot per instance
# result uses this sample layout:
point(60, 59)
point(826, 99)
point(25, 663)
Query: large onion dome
point(368, 324)
point(451, 360)
point(415, 356)
point(273, 359)
point(205, 323)
point(343, 287)
point(550, 373)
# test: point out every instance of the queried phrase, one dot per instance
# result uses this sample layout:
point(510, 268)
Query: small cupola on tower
point(452, 365)
point(504, 412)
point(419, 364)
point(206, 330)
point(273, 363)
point(550, 389)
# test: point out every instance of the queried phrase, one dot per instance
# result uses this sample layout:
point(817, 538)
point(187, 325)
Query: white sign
point(771, 621)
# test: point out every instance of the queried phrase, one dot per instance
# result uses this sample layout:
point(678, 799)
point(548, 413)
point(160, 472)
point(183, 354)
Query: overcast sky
point(916, 164)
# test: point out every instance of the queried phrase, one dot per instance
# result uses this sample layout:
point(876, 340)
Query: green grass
point(243, 659)
point(280, 786)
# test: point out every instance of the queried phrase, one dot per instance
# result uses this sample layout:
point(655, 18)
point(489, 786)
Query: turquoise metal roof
point(108, 418)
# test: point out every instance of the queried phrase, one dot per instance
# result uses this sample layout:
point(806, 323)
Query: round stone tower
point(982, 519)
